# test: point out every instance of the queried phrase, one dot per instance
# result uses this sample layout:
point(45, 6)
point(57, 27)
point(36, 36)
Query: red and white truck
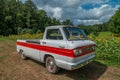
point(62, 46)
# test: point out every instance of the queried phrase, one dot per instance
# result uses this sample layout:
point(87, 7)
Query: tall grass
point(2, 38)
point(25, 36)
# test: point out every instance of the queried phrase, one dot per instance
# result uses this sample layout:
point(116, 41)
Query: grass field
point(105, 67)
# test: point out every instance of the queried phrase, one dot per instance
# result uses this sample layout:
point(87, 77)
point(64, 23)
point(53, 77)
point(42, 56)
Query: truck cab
point(62, 46)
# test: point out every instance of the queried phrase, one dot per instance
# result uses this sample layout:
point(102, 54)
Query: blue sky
point(86, 12)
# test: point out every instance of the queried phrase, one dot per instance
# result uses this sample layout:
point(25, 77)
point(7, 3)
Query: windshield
point(74, 33)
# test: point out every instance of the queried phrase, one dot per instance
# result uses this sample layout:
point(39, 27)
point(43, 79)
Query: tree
point(42, 20)
point(67, 22)
point(114, 22)
point(2, 16)
point(17, 17)
point(30, 14)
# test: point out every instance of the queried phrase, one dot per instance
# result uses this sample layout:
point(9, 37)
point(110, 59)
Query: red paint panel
point(64, 52)
point(59, 51)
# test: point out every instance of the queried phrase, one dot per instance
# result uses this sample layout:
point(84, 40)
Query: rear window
point(54, 34)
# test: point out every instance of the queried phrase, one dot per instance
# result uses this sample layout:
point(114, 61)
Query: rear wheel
point(51, 65)
point(22, 55)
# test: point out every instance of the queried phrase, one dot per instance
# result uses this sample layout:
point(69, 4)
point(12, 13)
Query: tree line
point(17, 17)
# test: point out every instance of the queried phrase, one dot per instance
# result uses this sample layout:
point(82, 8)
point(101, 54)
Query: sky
point(88, 12)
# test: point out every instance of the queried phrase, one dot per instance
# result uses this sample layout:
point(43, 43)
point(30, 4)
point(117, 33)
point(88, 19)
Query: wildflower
point(114, 35)
point(118, 39)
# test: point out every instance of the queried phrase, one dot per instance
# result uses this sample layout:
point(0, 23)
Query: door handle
point(61, 46)
point(44, 42)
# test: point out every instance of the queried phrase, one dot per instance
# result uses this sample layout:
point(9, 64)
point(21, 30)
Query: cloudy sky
point(86, 12)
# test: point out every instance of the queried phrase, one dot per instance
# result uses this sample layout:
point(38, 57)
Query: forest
point(17, 17)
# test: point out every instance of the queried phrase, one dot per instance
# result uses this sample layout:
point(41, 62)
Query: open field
point(13, 68)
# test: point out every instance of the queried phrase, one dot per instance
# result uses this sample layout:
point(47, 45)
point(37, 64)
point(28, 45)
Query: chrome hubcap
point(50, 65)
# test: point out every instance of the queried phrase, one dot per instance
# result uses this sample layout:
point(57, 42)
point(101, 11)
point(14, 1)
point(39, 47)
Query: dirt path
point(13, 68)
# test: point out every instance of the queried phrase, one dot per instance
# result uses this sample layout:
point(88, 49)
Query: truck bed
point(35, 41)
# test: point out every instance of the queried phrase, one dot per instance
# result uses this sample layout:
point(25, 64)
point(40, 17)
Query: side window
point(54, 34)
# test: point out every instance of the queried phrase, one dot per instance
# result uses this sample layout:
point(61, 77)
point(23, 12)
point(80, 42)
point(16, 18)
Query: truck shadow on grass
point(92, 71)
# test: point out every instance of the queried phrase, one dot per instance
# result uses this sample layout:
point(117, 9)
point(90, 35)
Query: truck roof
point(59, 26)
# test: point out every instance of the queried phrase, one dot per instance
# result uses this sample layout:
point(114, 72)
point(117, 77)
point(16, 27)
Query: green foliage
point(20, 18)
point(94, 28)
point(115, 22)
point(95, 33)
point(67, 22)
point(108, 48)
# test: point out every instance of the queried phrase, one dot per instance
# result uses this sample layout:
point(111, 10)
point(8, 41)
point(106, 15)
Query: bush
point(108, 49)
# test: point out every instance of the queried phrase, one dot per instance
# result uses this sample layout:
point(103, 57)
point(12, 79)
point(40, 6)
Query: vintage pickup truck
point(62, 46)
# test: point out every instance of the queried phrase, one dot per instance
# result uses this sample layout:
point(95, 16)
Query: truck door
point(54, 38)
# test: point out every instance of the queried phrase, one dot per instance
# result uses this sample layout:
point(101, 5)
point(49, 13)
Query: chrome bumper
point(72, 66)
point(76, 66)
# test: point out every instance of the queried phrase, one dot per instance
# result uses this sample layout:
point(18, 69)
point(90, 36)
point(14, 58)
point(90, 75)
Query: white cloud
point(67, 3)
point(53, 11)
point(89, 22)
point(97, 15)
point(71, 2)
point(72, 9)
point(57, 12)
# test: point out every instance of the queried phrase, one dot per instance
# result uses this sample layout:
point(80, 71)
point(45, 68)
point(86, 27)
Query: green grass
point(2, 39)
point(105, 34)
